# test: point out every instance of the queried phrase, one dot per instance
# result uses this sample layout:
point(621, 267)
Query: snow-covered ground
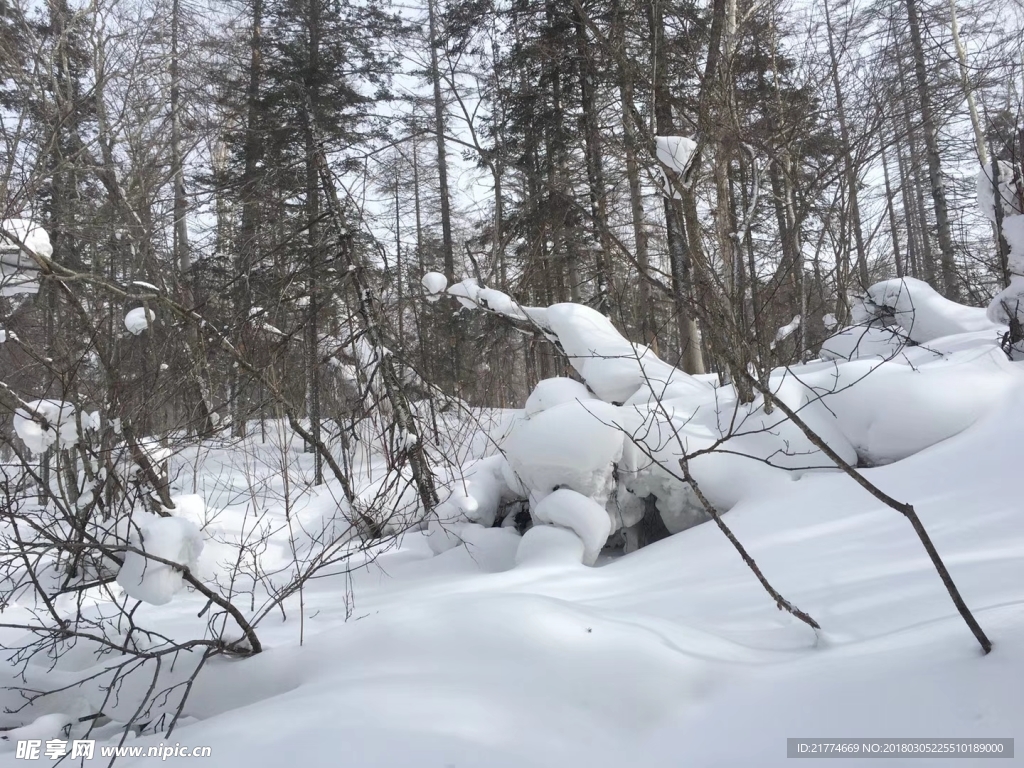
point(501, 650)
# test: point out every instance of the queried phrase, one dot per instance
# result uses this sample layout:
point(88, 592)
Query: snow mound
point(192, 507)
point(573, 445)
point(45, 423)
point(170, 538)
point(550, 545)
point(138, 320)
point(890, 411)
point(44, 728)
point(613, 367)
point(878, 397)
point(491, 550)
point(434, 284)
point(583, 516)
point(392, 501)
point(474, 497)
point(860, 341)
point(924, 314)
point(551, 392)
point(1009, 302)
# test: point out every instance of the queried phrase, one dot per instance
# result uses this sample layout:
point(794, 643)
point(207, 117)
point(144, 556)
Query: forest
point(509, 382)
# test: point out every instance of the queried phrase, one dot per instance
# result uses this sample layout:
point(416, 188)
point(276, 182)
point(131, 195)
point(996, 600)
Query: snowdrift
point(468, 643)
point(659, 658)
point(916, 370)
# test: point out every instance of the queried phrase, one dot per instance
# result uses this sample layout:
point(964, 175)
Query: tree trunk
point(595, 171)
point(951, 284)
point(852, 181)
point(247, 248)
point(181, 252)
point(313, 232)
point(894, 233)
point(691, 358)
point(965, 80)
point(455, 337)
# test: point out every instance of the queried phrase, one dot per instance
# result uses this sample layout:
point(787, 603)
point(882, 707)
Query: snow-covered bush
point(611, 442)
point(19, 271)
point(42, 424)
point(614, 439)
point(173, 539)
point(1007, 211)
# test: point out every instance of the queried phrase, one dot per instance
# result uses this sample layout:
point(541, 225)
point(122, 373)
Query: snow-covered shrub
point(1007, 307)
point(923, 314)
point(905, 378)
point(615, 440)
point(168, 538)
point(574, 445)
point(44, 423)
point(551, 392)
point(19, 272)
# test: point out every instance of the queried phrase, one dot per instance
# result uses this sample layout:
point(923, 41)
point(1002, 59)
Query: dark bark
point(951, 284)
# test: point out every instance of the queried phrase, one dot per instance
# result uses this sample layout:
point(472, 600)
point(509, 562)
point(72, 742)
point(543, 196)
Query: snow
point(497, 301)
point(548, 545)
point(1011, 201)
point(572, 445)
point(154, 450)
point(922, 313)
point(461, 643)
point(19, 271)
point(52, 726)
point(44, 423)
point(787, 330)
point(555, 391)
point(434, 284)
point(613, 368)
point(392, 500)
point(579, 514)
point(861, 341)
point(1013, 231)
point(893, 410)
point(670, 655)
point(175, 539)
point(1009, 302)
point(1007, 305)
point(138, 320)
point(473, 497)
point(467, 292)
point(32, 235)
point(675, 152)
